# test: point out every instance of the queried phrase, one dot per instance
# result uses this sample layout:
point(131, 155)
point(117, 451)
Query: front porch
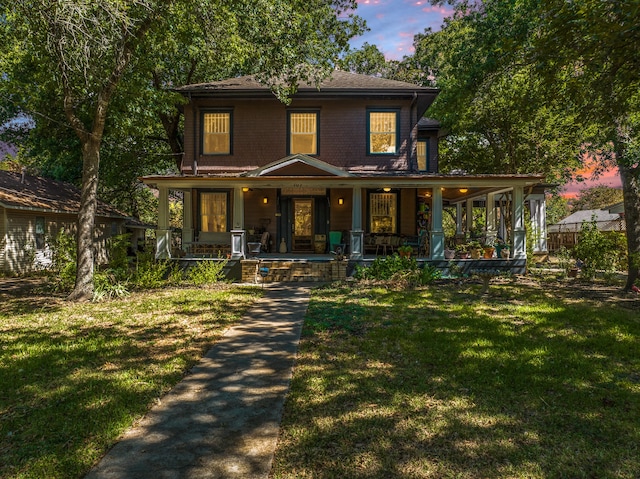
point(306, 207)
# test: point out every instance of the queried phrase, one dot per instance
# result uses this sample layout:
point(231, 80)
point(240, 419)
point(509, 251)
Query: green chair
point(335, 240)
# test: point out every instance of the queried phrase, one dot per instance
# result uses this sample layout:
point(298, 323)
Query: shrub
point(404, 272)
point(207, 272)
point(63, 261)
point(150, 273)
point(106, 285)
point(596, 250)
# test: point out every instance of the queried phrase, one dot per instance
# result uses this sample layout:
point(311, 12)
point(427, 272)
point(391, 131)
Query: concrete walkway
point(222, 420)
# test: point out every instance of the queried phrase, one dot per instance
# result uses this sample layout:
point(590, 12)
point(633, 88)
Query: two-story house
point(351, 162)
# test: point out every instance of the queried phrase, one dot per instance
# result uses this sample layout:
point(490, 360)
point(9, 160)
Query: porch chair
point(335, 240)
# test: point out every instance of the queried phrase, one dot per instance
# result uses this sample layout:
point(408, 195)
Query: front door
point(302, 234)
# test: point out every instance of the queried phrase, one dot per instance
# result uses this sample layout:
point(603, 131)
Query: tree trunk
point(83, 289)
point(631, 189)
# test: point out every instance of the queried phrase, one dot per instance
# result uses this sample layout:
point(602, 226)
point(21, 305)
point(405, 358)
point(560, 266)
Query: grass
point(536, 380)
point(73, 377)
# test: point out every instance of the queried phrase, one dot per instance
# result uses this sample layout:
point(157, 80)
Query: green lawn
point(73, 377)
point(532, 381)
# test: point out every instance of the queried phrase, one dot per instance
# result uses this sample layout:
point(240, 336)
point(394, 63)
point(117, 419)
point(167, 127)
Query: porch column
point(163, 233)
point(490, 231)
point(357, 234)
point(519, 233)
point(437, 235)
point(538, 209)
point(187, 220)
point(237, 232)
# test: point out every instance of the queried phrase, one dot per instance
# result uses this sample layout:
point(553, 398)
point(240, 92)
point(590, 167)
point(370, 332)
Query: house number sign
point(303, 191)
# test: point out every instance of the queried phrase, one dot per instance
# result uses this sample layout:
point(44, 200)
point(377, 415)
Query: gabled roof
point(605, 221)
point(297, 165)
point(35, 193)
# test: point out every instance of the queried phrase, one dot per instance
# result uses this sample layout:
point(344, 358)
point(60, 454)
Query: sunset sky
point(393, 23)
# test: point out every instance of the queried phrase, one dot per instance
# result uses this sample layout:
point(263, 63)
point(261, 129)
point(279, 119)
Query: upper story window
point(383, 126)
point(216, 133)
point(422, 152)
point(303, 133)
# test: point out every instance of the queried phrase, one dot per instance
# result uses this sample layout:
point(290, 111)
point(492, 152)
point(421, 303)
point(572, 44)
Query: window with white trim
point(216, 133)
point(303, 133)
point(383, 212)
point(213, 212)
point(383, 132)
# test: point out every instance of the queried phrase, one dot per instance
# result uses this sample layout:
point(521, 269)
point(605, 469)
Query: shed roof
point(605, 221)
point(43, 194)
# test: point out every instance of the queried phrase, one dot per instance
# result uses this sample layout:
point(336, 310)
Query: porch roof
point(454, 186)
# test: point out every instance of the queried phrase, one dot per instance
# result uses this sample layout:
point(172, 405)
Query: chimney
point(24, 172)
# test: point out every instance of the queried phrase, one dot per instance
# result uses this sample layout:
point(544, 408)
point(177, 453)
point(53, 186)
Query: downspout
point(195, 139)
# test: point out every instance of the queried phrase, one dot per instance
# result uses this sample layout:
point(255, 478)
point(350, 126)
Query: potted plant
point(405, 251)
point(475, 249)
point(489, 248)
point(462, 251)
point(504, 252)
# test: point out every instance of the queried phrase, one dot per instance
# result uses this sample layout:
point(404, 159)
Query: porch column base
point(357, 240)
point(520, 244)
point(163, 243)
point(237, 244)
point(437, 245)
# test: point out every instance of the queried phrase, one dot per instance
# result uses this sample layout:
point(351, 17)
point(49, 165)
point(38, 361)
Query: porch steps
point(293, 271)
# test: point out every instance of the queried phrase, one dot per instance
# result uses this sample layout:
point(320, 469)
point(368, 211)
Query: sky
point(393, 23)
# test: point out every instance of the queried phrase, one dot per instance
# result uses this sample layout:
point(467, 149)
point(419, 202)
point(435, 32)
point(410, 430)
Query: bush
point(207, 272)
point(106, 285)
point(597, 251)
point(150, 273)
point(403, 272)
point(63, 261)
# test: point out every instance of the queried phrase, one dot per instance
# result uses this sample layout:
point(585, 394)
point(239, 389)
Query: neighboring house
point(566, 232)
point(32, 212)
point(352, 162)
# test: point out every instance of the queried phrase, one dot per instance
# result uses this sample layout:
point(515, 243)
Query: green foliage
point(149, 273)
point(63, 261)
point(402, 271)
point(565, 261)
point(597, 197)
point(597, 251)
point(107, 285)
point(206, 272)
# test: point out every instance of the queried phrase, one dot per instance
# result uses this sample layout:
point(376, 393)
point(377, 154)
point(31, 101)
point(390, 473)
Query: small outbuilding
point(33, 210)
point(566, 232)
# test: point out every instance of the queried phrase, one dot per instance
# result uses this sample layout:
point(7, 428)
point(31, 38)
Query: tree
point(597, 197)
point(581, 57)
point(67, 61)
point(557, 208)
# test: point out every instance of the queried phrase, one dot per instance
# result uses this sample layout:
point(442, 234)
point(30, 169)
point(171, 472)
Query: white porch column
point(437, 235)
point(163, 233)
point(538, 209)
point(357, 234)
point(491, 232)
point(519, 233)
point(187, 220)
point(458, 219)
point(238, 241)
